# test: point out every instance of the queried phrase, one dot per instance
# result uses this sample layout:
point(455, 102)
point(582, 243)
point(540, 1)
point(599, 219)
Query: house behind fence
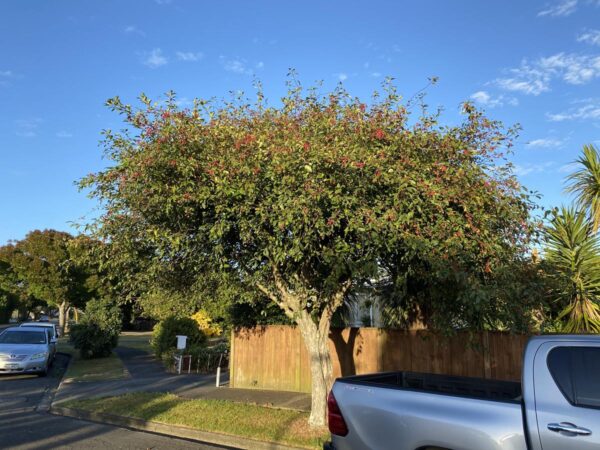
point(274, 357)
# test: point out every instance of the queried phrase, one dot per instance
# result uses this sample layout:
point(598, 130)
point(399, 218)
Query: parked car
point(556, 406)
point(52, 326)
point(25, 350)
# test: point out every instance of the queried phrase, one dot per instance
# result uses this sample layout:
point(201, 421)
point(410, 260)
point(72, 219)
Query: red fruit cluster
point(379, 134)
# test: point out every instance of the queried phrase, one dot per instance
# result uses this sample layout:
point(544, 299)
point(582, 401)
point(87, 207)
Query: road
point(24, 424)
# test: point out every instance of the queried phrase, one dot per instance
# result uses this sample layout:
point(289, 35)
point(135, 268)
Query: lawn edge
point(170, 430)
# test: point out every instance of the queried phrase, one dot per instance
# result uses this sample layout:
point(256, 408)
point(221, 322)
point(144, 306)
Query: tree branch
point(286, 309)
point(331, 308)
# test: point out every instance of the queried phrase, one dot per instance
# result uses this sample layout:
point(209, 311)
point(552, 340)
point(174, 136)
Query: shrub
point(164, 334)
point(206, 324)
point(92, 341)
point(98, 333)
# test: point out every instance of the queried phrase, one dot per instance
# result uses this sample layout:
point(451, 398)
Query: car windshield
point(23, 337)
point(46, 327)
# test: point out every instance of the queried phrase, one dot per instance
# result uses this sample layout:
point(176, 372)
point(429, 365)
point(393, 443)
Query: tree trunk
point(316, 342)
point(62, 313)
point(68, 319)
point(315, 336)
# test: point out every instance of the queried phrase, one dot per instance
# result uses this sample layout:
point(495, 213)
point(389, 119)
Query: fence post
point(178, 358)
point(232, 360)
point(487, 364)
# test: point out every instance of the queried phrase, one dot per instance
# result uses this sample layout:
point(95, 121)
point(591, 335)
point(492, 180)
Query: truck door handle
point(569, 428)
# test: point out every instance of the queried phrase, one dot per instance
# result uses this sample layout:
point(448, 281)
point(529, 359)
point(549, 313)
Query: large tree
point(44, 262)
point(304, 200)
point(14, 292)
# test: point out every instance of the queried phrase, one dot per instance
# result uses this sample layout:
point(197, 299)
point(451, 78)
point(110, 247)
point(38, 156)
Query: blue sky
point(535, 63)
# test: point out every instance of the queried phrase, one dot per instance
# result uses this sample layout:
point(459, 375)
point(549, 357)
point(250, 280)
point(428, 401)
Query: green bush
point(164, 334)
point(98, 333)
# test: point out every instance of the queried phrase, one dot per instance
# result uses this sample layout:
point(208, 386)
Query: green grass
point(137, 340)
point(239, 419)
point(99, 369)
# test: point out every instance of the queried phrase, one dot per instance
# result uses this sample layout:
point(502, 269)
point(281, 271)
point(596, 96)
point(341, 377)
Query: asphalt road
point(24, 423)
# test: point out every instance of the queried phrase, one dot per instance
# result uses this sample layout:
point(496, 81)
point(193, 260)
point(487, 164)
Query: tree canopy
point(44, 265)
point(303, 201)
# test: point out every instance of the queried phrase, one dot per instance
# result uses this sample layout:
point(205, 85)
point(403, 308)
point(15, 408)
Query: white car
point(25, 350)
point(51, 328)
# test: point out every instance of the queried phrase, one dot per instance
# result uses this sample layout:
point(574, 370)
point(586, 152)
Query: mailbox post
point(181, 344)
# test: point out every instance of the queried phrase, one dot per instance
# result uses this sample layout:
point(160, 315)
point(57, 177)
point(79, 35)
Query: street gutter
point(45, 403)
point(189, 433)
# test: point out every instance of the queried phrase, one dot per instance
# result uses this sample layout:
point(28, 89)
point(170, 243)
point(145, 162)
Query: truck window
point(576, 371)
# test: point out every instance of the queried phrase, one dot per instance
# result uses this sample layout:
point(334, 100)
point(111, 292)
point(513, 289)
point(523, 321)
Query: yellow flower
point(206, 324)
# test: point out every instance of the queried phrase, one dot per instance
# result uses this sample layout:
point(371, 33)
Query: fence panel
point(274, 357)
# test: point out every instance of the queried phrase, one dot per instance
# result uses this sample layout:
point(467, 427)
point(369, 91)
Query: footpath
point(148, 375)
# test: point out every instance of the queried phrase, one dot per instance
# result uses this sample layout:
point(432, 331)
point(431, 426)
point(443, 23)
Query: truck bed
point(480, 388)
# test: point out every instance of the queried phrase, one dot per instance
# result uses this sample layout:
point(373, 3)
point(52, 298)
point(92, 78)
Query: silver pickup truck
point(555, 407)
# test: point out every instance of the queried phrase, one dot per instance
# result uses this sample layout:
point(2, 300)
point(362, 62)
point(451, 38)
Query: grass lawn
point(239, 419)
point(109, 368)
point(137, 340)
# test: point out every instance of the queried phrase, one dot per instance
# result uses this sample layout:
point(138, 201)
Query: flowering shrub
point(205, 323)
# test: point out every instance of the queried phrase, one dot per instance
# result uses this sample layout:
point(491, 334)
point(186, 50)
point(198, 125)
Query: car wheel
point(44, 372)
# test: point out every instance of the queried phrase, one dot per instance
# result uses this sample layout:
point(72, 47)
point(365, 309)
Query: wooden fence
point(274, 357)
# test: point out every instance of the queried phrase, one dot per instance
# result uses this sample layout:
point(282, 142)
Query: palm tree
point(585, 184)
point(574, 253)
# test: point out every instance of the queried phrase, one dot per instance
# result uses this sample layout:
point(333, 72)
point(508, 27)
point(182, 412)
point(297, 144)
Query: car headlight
point(42, 355)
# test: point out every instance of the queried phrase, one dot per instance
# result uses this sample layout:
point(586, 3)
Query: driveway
point(25, 424)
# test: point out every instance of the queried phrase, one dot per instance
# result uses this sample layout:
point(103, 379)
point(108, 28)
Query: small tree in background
point(301, 202)
point(573, 248)
point(573, 252)
point(584, 182)
point(44, 262)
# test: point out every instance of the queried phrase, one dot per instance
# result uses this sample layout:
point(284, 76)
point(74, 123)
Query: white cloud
point(341, 76)
point(590, 37)
point(376, 74)
point(184, 102)
point(568, 168)
point(163, 2)
point(572, 68)
point(5, 75)
point(27, 127)
point(528, 168)
point(132, 29)
point(545, 143)
point(189, 56)
point(590, 110)
point(485, 99)
point(236, 66)
point(560, 9)
point(534, 78)
point(155, 59)
point(64, 134)
point(240, 65)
